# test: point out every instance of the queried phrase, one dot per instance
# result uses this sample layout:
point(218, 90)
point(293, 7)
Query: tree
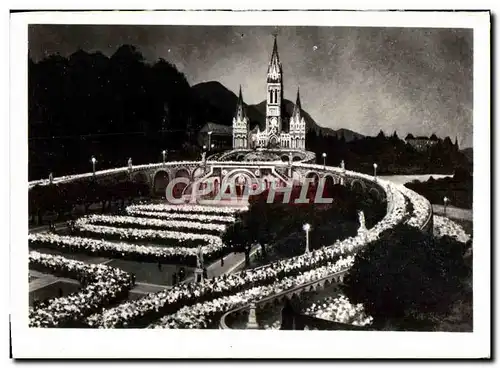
point(406, 272)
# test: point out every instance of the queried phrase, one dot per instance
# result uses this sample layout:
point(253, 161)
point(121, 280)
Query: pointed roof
point(240, 110)
point(274, 70)
point(275, 57)
point(297, 107)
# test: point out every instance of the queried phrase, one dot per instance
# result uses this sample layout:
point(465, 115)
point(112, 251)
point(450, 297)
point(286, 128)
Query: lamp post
point(209, 139)
point(307, 228)
point(445, 201)
point(212, 146)
point(375, 171)
point(324, 159)
point(204, 148)
point(93, 164)
point(164, 153)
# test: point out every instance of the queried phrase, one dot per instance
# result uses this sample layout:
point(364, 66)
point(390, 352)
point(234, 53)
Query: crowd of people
point(150, 223)
point(161, 207)
point(123, 250)
point(201, 315)
point(339, 309)
point(101, 286)
point(422, 208)
point(149, 308)
point(165, 237)
point(212, 218)
point(190, 305)
point(443, 226)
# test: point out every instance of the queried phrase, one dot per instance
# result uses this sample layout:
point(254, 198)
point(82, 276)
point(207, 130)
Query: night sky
point(365, 79)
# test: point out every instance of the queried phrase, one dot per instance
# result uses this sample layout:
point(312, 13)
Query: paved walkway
point(43, 280)
point(453, 212)
point(231, 263)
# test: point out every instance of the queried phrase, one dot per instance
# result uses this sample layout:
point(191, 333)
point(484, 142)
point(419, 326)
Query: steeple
point(274, 70)
point(275, 56)
point(297, 107)
point(240, 111)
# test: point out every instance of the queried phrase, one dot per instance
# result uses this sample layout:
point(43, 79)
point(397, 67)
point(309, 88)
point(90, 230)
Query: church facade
point(275, 134)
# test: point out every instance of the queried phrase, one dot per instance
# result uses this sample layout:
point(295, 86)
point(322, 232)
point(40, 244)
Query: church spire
point(275, 57)
point(297, 107)
point(274, 70)
point(240, 112)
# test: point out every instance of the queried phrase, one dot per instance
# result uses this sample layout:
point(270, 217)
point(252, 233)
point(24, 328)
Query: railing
point(294, 290)
point(390, 207)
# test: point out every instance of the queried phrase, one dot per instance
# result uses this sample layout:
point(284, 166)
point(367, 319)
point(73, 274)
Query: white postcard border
point(30, 343)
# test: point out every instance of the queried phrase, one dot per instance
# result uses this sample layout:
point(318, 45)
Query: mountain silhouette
point(218, 105)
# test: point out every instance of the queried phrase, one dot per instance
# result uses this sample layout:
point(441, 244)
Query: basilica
point(279, 132)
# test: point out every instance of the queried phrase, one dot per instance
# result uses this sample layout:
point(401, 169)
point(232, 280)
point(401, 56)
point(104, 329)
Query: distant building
point(273, 135)
point(221, 137)
point(421, 143)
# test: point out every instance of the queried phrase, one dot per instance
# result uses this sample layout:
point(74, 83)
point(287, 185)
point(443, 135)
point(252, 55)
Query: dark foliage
point(392, 155)
point(119, 107)
point(458, 189)
point(407, 273)
point(62, 198)
point(278, 225)
point(113, 108)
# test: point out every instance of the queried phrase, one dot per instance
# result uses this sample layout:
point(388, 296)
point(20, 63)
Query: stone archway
point(160, 183)
point(179, 188)
point(240, 179)
point(328, 185)
point(375, 194)
point(357, 186)
point(313, 175)
point(140, 178)
point(182, 173)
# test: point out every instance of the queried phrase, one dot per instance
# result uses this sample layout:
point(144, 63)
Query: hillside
point(468, 152)
point(218, 104)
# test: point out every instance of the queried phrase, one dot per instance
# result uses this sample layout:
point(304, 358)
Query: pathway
point(232, 262)
point(453, 212)
point(403, 179)
point(43, 280)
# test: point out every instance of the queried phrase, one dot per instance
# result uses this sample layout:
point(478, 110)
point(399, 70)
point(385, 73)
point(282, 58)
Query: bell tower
point(274, 95)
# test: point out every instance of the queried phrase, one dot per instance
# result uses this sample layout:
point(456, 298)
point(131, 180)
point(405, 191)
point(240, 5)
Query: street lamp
point(212, 146)
point(204, 148)
point(164, 153)
point(324, 159)
point(209, 138)
point(375, 171)
point(445, 200)
point(93, 164)
point(306, 228)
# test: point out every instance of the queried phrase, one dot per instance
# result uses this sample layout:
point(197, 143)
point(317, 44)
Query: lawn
point(55, 290)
